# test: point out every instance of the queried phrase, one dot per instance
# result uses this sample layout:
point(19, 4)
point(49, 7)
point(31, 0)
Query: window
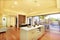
point(33, 20)
point(36, 20)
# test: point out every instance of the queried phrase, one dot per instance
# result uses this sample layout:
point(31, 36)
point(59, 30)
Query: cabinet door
point(21, 19)
point(32, 35)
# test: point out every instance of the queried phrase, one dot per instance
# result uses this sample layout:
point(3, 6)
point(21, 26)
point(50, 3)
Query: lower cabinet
point(31, 34)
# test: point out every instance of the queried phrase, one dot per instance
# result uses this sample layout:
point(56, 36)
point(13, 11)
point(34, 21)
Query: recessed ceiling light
point(15, 2)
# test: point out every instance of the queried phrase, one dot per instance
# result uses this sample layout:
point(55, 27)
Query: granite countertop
point(31, 28)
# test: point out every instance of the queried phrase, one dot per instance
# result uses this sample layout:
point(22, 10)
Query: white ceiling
point(27, 6)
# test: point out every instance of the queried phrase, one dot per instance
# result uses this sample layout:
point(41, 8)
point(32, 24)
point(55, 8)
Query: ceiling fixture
point(15, 2)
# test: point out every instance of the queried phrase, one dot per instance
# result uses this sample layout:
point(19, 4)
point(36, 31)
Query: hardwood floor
point(11, 34)
point(50, 36)
point(14, 34)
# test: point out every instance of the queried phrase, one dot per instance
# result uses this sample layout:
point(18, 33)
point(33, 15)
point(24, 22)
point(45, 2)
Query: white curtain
point(11, 20)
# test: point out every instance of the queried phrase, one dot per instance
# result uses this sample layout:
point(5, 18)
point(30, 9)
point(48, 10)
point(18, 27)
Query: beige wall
point(0, 21)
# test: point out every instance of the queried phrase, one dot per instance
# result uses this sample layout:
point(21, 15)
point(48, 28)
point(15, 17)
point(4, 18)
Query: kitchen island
point(31, 33)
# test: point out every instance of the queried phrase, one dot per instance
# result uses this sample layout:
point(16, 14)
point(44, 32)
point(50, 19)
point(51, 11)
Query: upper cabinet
point(21, 19)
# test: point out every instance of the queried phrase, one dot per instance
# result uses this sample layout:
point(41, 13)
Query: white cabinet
point(27, 35)
point(32, 34)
